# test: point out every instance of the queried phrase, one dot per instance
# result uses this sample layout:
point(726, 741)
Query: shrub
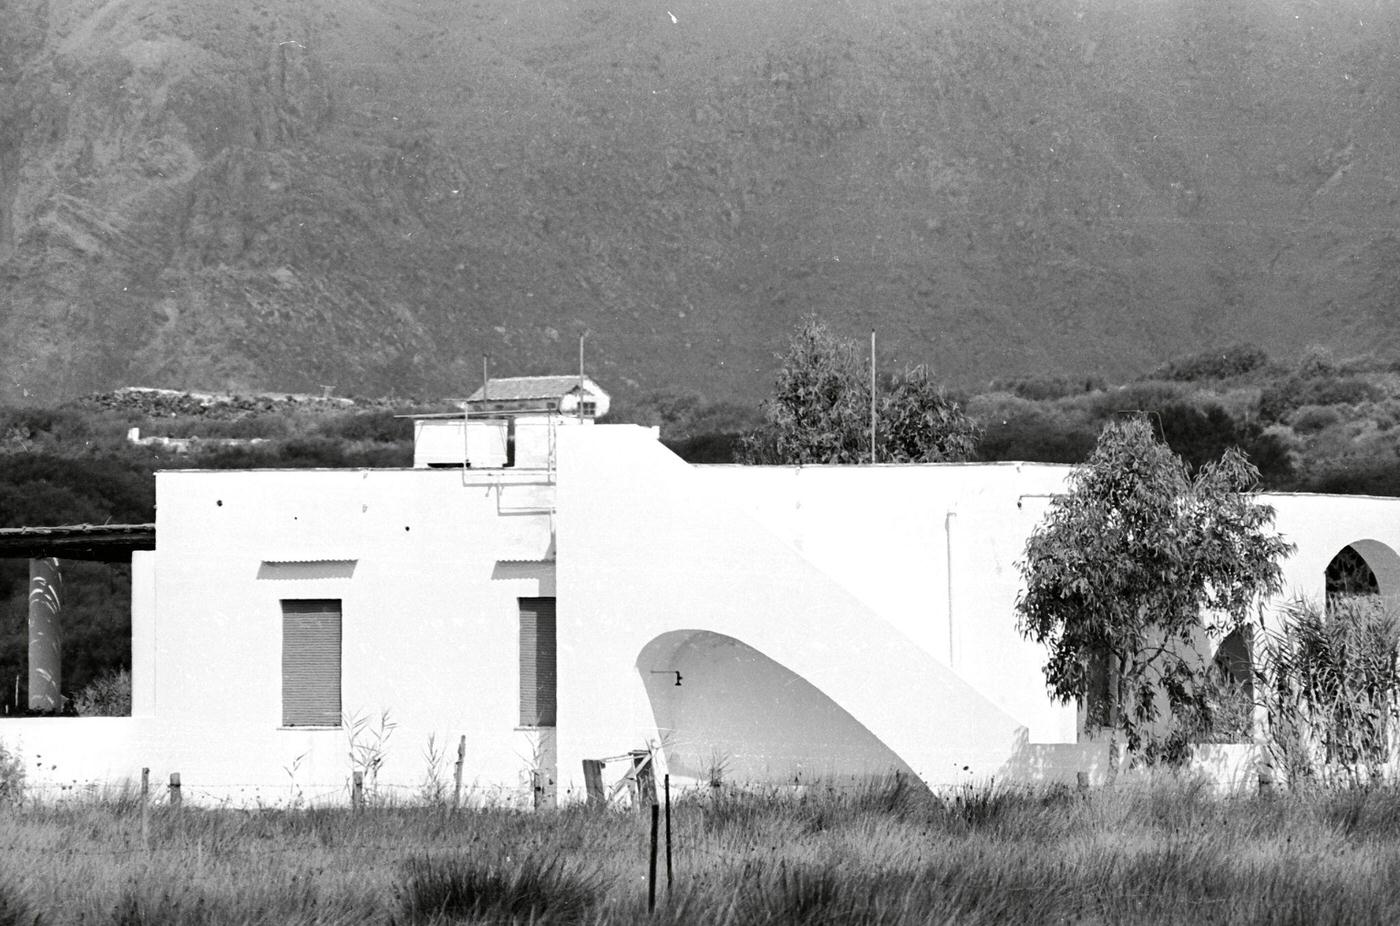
point(1036, 442)
point(1310, 419)
point(1042, 388)
point(707, 448)
point(11, 775)
point(1351, 390)
point(43, 428)
point(1378, 478)
point(1147, 396)
point(108, 695)
point(1235, 360)
point(378, 426)
point(1280, 398)
point(1019, 429)
point(527, 889)
point(1231, 710)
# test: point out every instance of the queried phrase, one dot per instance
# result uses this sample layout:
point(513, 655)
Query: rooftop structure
point(557, 394)
point(511, 422)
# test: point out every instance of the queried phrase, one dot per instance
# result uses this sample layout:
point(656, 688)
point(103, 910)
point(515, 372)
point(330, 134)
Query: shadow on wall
point(726, 712)
point(1055, 762)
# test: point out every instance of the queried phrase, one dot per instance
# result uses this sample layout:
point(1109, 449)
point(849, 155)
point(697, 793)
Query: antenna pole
point(580, 375)
point(872, 395)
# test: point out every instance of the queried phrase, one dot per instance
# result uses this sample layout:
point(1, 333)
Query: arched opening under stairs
point(726, 712)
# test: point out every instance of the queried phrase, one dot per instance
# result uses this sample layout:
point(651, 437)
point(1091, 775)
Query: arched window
point(1349, 574)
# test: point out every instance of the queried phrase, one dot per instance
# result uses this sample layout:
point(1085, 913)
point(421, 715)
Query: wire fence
point(432, 793)
point(164, 826)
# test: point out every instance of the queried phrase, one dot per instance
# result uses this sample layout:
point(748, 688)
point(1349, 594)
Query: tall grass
point(890, 853)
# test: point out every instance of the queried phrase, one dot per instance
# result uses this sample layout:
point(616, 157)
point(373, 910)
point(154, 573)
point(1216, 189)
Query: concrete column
point(45, 636)
point(143, 633)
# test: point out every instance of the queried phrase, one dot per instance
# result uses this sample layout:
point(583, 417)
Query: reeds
point(1329, 683)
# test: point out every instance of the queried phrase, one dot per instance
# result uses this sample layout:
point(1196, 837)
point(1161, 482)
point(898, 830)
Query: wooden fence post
point(146, 808)
point(644, 787)
point(668, 835)
point(175, 795)
point(357, 791)
point(457, 773)
point(536, 788)
point(593, 783)
point(651, 874)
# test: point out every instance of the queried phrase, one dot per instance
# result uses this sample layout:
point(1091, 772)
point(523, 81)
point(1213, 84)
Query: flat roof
point(103, 543)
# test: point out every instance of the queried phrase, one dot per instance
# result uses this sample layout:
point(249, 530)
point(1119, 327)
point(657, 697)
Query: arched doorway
point(726, 712)
point(1232, 688)
point(1348, 574)
point(1363, 568)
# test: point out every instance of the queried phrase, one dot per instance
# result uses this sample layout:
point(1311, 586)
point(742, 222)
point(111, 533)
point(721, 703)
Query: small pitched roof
point(532, 387)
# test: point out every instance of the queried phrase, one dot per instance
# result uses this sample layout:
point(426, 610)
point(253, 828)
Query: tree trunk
point(1114, 692)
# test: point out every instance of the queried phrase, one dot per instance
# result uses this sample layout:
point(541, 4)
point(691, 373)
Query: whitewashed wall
point(424, 565)
point(649, 547)
point(931, 549)
point(823, 619)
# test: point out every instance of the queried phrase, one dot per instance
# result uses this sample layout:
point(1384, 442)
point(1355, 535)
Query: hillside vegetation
point(371, 195)
point(1315, 424)
point(75, 465)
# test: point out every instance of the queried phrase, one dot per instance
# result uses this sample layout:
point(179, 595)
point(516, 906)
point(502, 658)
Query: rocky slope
point(370, 195)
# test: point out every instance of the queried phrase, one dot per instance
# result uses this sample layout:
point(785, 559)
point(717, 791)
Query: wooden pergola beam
point(103, 543)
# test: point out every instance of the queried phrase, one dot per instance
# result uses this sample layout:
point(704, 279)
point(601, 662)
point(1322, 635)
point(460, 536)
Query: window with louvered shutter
point(311, 663)
point(537, 662)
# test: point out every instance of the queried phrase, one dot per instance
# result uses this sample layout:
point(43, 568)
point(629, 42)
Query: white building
point(757, 623)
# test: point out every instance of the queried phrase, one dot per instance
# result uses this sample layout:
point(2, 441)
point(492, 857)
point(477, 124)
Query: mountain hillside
point(371, 195)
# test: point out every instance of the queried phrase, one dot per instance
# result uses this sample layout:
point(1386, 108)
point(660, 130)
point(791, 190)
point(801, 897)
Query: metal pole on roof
point(580, 376)
point(467, 414)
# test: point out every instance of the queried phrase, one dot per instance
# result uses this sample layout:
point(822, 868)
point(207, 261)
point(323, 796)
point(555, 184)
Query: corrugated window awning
point(303, 567)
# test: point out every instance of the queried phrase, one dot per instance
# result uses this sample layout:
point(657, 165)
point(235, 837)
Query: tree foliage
point(1128, 568)
point(918, 423)
point(820, 410)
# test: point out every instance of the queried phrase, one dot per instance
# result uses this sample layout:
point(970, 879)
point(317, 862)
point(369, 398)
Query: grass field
point(887, 854)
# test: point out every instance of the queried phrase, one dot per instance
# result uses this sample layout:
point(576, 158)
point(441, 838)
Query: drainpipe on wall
point(948, 540)
point(45, 636)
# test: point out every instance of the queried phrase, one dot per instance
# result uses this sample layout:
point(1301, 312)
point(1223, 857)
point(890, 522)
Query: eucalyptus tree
point(1129, 566)
point(821, 409)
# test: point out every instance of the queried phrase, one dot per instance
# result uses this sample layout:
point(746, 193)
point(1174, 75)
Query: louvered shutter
point(538, 678)
point(311, 663)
